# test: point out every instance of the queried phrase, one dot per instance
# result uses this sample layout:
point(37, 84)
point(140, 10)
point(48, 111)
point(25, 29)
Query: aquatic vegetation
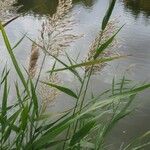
point(47, 94)
point(56, 33)
point(33, 60)
point(56, 36)
point(28, 125)
point(6, 7)
point(101, 38)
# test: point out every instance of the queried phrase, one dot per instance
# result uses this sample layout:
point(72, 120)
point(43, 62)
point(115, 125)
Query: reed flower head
point(110, 51)
point(33, 60)
point(48, 94)
point(56, 33)
point(6, 7)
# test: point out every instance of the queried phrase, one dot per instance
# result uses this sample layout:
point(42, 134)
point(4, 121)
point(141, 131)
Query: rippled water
point(134, 39)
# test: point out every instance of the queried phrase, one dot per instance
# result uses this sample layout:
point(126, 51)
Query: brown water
point(134, 39)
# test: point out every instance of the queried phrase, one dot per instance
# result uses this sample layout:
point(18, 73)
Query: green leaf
point(12, 126)
point(142, 146)
point(49, 129)
point(108, 14)
point(24, 118)
point(106, 44)
point(34, 98)
point(48, 126)
point(62, 89)
point(5, 98)
point(134, 144)
point(9, 123)
point(13, 58)
point(89, 63)
point(78, 136)
point(4, 78)
point(8, 22)
point(57, 59)
point(19, 42)
point(117, 97)
point(4, 104)
point(60, 127)
point(86, 144)
point(19, 96)
point(52, 144)
point(51, 133)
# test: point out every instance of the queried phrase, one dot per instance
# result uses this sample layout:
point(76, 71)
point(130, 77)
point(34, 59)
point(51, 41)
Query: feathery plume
point(56, 31)
point(48, 94)
point(56, 36)
point(33, 60)
point(6, 7)
point(109, 52)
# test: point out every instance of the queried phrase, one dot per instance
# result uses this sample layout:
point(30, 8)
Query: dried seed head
point(33, 60)
point(6, 7)
point(109, 51)
point(56, 34)
point(48, 94)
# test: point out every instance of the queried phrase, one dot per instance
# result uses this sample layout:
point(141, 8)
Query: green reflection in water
point(45, 7)
point(138, 6)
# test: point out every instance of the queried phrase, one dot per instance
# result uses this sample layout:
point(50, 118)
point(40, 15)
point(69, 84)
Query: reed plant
point(27, 125)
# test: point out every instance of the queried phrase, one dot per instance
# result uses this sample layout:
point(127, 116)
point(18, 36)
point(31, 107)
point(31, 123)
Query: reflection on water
point(43, 7)
point(138, 6)
point(135, 36)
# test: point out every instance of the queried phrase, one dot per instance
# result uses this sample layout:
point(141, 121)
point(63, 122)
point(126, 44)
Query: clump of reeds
point(56, 36)
point(33, 60)
point(23, 127)
point(56, 33)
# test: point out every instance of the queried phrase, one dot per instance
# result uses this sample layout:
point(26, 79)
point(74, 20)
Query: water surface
point(134, 39)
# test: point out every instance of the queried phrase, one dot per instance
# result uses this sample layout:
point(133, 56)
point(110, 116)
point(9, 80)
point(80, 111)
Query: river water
point(134, 39)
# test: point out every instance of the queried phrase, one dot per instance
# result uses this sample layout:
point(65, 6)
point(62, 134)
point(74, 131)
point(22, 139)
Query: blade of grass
point(4, 104)
point(62, 89)
point(61, 62)
point(24, 118)
point(13, 58)
point(4, 78)
point(53, 132)
point(106, 44)
point(89, 63)
point(12, 126)
point(78, 136)
point(143, 146)
point(136, 141)
point(8, 22)
point(35, 99)
point(18, 43)
point(108, 14)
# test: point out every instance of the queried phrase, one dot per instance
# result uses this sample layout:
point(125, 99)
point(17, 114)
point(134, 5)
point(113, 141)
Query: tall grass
point(25, 126)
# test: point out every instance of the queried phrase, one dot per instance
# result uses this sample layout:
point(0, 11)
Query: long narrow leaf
point(108, 14)
point(34, 98)
point(19, 42)
point(52, 133)
point(24, 118)
point(106, 44)
point(57, 59)
point(13, 58)
point(62, 89)
point(89, 63)
point(8, 22)
point(4, 104)
point(77, 137)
